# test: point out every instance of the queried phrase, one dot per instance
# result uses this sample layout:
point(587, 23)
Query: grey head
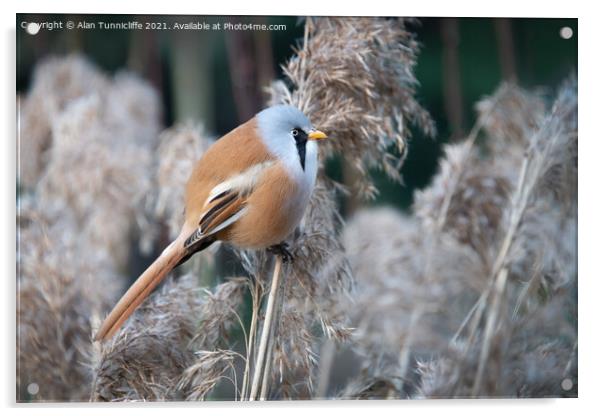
point(286, 131)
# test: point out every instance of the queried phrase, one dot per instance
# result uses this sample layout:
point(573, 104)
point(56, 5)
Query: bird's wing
point(227, 202)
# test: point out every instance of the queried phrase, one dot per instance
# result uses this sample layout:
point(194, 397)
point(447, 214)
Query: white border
point(590, 214)
point(461, 8)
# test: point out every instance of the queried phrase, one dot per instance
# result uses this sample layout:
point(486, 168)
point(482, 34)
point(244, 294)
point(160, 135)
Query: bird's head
point(289, 134)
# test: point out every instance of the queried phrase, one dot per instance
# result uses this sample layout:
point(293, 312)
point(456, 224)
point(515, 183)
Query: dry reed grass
point(471, 293)
point(85, 148)
point(172, 348)
point(56, 306)
point(476, 290)
point(146, 358)
point(368, 121)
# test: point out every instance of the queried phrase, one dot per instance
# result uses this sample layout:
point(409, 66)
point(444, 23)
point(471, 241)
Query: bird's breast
point(274, 209)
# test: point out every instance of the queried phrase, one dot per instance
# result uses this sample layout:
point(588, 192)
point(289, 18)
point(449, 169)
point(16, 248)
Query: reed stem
point(256, 299)
point(265, 331)
point(500, 286)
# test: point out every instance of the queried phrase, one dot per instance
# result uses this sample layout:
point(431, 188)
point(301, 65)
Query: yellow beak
point(316, 135)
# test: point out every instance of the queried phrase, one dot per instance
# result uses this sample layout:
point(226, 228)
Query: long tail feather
point(141, 288)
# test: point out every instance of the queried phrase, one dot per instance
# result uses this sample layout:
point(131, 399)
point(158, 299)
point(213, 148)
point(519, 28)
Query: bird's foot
point(282, 251)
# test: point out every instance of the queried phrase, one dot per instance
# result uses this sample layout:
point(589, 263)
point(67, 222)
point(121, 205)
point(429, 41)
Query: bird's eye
point(295, 132)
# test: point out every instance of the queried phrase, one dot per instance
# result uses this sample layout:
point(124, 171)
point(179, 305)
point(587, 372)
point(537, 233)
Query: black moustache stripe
point(301, 142)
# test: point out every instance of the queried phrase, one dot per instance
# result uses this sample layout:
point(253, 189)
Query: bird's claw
point(282, 251)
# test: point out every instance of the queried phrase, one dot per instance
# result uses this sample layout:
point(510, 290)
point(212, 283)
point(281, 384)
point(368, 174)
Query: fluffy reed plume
point(86, 147)
point(473, 200)
point(294, 358)
point(219, 314)
point(56, 305)
point(479, 283)
point(146, 358)
point(172, 347)
point(210, 368)
point(368, 121)
point(56, 83)
point(509, 131)
point(99, 167)
point(387, 251)
point(546, 183)
point(215, 362)
point(376, 386)
point(354, 77)
point(137, 118)
point(180, 147)
point(534, 359)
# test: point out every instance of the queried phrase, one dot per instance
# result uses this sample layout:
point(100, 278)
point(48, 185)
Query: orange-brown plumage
point(272, 216)
point(244, 149)
point(249, 189)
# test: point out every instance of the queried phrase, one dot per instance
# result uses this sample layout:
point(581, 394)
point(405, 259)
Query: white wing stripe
point(241, 183)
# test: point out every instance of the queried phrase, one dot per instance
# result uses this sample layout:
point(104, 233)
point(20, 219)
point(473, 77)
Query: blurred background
point(217, 77)
point(104, 156)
